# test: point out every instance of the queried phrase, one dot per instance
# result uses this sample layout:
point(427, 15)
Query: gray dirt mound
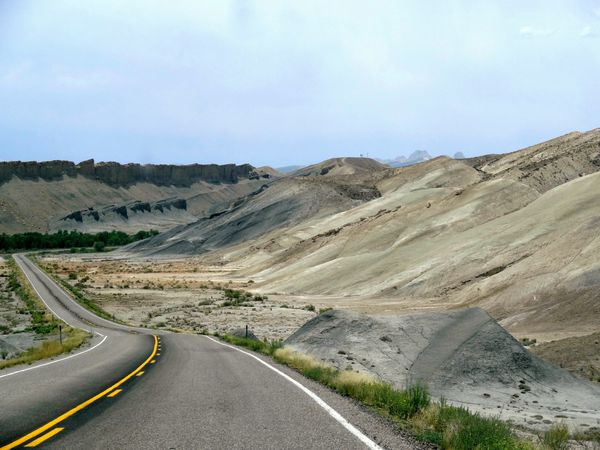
point(463, 356)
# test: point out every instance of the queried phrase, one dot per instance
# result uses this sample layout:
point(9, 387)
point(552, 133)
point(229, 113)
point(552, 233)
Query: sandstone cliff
point(118, 175)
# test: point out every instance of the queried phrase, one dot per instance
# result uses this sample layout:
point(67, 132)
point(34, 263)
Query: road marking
point(57, 360)
point(158, 354)
point(139, 374)
point(45, 437)
point(153, 361)
point(79, 407)
point(332, 412)
point(114, 393)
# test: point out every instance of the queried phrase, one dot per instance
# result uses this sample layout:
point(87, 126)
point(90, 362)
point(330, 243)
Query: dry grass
point(74, 338)
point(299, 361)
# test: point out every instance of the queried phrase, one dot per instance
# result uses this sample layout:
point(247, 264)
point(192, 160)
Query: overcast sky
point(292, 82)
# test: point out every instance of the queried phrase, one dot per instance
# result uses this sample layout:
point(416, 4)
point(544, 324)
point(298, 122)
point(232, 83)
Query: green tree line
point(69, 239)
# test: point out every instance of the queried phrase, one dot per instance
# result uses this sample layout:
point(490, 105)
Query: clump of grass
point(264, 347)
point(557, 437)
point(457, 428)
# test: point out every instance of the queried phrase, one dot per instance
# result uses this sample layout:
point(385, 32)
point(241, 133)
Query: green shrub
point(468, 431)
point(457, 428)
point(557, 437)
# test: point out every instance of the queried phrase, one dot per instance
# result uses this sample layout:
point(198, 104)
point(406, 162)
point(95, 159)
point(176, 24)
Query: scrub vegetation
point(75, 290)
point(72, 240)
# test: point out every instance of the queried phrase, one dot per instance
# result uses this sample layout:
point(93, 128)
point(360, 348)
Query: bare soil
point(579, 355)
point(182, 295)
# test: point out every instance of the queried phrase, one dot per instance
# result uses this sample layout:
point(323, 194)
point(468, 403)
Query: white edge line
point(37, 292)
point(56, 360)
point(60, 318)
point(332, 412)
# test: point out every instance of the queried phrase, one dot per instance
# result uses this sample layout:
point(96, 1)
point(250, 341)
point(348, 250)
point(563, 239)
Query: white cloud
point(587, 32)
point(82, 80)
point(15, 74)
point(532, 32)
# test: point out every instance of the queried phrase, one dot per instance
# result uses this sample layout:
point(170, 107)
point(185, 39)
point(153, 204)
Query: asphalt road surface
point(129, 389)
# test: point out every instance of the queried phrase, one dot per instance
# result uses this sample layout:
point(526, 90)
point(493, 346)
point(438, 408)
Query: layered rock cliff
point(129, 217)
point(119, 175)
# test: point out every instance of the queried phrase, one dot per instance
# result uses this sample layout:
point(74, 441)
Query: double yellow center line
point(76, 409)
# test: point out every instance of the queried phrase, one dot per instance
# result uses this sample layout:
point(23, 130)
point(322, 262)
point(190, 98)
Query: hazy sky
point(285, 82)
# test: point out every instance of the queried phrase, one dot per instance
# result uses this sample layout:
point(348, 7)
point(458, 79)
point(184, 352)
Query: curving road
point(131, 390)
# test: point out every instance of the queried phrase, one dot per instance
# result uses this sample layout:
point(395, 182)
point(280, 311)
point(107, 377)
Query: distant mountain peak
point(401, 161)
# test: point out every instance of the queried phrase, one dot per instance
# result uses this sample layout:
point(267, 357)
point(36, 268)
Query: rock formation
point(118, 175)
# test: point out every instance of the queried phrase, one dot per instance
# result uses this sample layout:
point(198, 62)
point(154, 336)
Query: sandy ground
point(580, 355)
point(181, 295)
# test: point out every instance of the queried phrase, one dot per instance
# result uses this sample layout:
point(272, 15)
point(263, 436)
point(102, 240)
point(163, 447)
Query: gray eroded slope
point(463, 356)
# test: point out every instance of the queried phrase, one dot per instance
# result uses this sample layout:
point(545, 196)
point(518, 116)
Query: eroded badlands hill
point(516, 234)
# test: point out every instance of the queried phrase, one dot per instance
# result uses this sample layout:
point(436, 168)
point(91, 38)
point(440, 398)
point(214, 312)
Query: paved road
point(173, 391)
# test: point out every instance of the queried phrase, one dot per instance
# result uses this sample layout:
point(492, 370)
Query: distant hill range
point(288, 169)
point(415, 157)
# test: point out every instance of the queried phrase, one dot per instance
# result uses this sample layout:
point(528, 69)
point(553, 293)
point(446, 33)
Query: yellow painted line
point(79, 407)
point(139, 374)
point(153, 361)
point(45, 437)
point(115, 392)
